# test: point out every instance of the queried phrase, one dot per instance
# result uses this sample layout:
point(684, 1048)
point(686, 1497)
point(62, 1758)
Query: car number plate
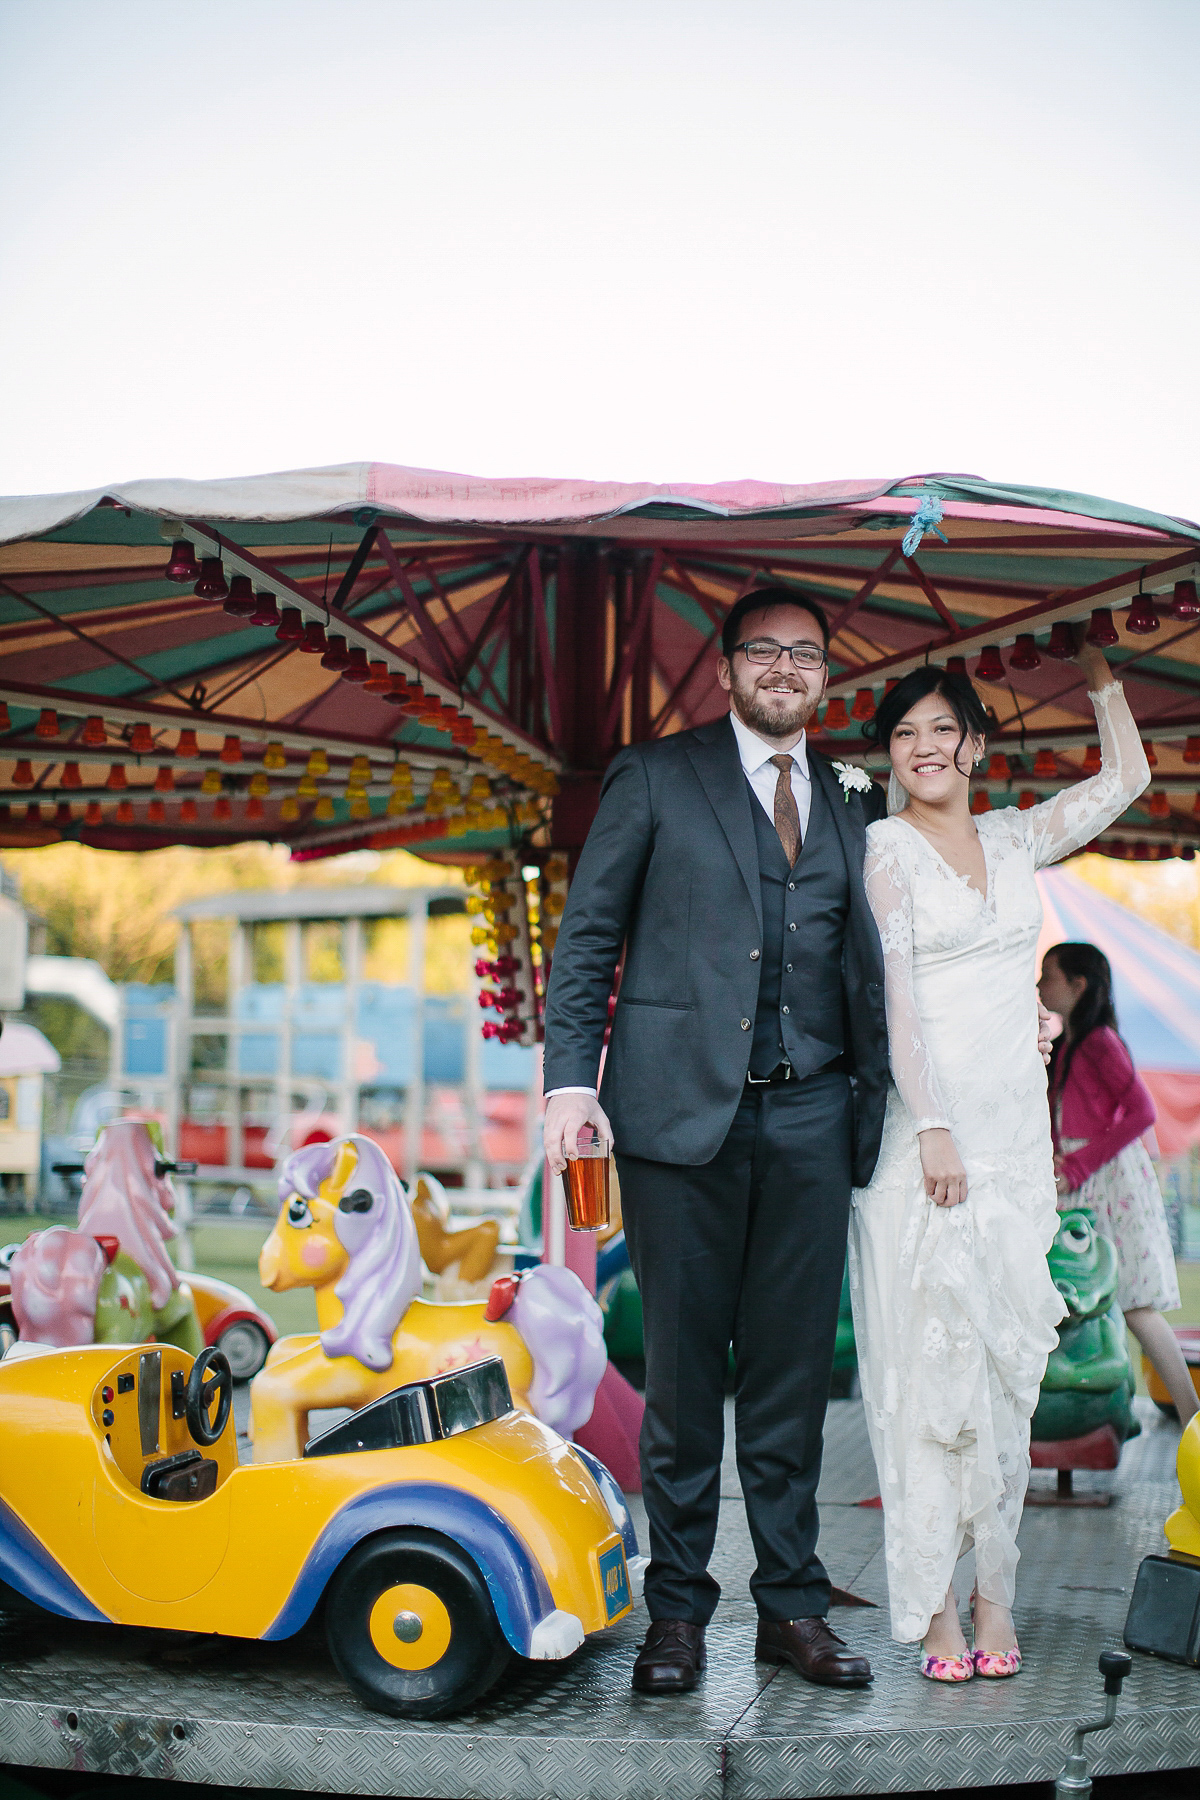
point(614, 1579)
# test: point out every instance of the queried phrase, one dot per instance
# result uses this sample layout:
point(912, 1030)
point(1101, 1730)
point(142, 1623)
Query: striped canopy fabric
point(371, 655)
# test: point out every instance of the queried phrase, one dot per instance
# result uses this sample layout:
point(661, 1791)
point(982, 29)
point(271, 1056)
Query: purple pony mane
point(374, 1226)
point(563, 1329)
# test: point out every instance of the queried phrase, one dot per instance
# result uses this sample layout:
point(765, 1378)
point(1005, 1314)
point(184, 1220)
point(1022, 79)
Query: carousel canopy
point(373, 656)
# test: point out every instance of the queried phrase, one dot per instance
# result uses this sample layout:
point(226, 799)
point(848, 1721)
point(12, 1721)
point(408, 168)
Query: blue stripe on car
point(518, 1589)
point(29, 1567)
point(606, 1481)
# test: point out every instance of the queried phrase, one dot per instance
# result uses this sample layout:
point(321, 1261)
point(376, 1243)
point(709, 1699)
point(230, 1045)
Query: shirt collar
point(755, 751)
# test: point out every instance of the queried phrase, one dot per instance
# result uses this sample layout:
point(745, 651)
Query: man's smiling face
point(779, 699)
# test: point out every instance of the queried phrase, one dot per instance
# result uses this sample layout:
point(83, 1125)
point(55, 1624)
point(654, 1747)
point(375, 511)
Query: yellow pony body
point(300, 1375)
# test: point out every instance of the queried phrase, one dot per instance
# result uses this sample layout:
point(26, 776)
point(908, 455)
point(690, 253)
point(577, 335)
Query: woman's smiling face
point(923, 748)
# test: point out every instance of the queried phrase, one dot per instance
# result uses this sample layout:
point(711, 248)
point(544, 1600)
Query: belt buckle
point(770, 1080)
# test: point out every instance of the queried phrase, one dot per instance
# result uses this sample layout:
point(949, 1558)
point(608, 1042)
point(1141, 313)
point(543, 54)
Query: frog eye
point(299, 1213)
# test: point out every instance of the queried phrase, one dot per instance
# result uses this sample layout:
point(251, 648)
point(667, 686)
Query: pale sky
point(641, 240)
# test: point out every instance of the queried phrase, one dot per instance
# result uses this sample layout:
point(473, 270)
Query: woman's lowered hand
point(945, 1177)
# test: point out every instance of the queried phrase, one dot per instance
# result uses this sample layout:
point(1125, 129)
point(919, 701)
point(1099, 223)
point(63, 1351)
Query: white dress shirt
point(756, 754)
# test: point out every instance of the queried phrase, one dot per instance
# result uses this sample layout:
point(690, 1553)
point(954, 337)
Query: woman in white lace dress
point(954, 1308)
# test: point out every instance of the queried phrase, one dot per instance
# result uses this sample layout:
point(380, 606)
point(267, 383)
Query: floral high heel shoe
point(994, 1665)
point(947, 1668)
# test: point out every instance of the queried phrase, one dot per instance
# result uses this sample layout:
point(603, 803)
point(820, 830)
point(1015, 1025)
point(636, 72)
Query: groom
point(746, 1080)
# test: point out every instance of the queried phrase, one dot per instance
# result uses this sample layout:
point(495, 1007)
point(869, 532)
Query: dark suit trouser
point(747, 1249)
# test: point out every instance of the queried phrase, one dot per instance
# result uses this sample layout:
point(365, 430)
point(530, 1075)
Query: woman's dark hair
point(1093, 1008)
point(766, 599)
point(956, 690)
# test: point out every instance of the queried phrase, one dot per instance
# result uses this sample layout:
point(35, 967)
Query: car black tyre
point(411, 1626)
point(245, 1344)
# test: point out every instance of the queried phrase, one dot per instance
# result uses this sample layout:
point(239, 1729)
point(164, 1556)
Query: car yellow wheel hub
point(410, 1626)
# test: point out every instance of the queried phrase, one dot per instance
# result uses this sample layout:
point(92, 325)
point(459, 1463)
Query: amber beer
point(586, 1184)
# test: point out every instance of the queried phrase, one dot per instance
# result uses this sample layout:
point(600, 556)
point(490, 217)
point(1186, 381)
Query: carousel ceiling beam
point(639, 625)
point(103, 650)
point(1071, 605)
point(843, 618)
point(541, 629)
point(502, 599)
point(243, 562)
point(452, 617)
point(673, 698)
point(930, 592)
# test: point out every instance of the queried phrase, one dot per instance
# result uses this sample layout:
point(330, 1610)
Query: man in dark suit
point(746, 1080)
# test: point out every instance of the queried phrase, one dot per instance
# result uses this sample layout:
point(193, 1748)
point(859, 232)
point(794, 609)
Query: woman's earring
point(978, 758)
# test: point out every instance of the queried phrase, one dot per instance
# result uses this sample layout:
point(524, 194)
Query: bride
point(954, 1308)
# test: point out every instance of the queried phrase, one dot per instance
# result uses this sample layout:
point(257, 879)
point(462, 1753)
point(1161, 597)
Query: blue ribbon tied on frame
point(926, 518)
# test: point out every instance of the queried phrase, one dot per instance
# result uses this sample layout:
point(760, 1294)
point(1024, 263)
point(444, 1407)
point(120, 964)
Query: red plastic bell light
point(116, 777)
point(989, 667)
point(1102, 632)
point(222, 809)
point(313, 642)
point(379, 679)
point(836, 717)
point(187, 812)
point(1151, 753)
point(291, 626)
point(1142, 850)
point(70, 777)
point(164, 781)
point(231, 750)
point(187, 744)
point(1141, 619)
point(265, 613)
point(1024, 654)
point(1191, 750)
point(955, 665)
point(397, 694)
point(1093, 762)
point(1045, 765)
point(211, 585)
point(156, 813)
point(47, 725)
point(864, 705)
point(23, 773)
point(93, 814)
point(254, 807)
point(998, 769)
point(33, 813)
point(1026, 799)
point(183, 565)
point(357, 669)
point(241, 603)
point(1158, 806)
point(1185, 603)
point(62, 813)
point(981, 801)
point(1062, 641)
point(142, 741)
point(336, 656)
point(93, 733)
point(125, 812)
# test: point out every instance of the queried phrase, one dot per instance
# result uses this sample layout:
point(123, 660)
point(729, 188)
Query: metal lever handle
point(1075, 1783)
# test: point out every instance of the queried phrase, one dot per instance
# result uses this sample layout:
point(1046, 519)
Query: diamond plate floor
point(97, 1698)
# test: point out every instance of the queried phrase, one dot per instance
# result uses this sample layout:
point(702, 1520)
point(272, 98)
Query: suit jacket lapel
point(713, 752)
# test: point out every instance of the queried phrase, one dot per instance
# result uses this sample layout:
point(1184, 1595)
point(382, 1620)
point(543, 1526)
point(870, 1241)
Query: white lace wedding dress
point(954, 1309)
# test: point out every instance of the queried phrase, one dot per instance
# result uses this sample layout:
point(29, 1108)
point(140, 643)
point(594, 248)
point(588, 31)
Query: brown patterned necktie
point(787, 819)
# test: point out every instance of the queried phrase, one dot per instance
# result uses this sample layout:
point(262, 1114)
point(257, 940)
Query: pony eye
point(299, 1214)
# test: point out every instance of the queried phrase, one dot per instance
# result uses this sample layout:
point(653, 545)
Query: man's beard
point(756, 712)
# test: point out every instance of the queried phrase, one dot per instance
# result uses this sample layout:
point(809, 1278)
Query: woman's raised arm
point(1073, 817)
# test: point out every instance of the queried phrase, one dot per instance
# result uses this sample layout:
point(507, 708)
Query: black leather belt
point(837, 1065)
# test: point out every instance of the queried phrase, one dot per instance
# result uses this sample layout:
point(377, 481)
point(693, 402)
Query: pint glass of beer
point(586, 1184)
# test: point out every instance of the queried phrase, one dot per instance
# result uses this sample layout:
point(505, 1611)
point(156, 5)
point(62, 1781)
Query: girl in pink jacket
point(1100, 1107)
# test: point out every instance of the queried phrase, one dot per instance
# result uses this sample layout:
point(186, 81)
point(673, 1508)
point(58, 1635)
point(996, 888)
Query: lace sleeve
point(890, 896)
point(1069, 821)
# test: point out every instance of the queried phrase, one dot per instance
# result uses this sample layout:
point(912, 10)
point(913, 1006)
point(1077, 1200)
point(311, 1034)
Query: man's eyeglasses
point(765, 651)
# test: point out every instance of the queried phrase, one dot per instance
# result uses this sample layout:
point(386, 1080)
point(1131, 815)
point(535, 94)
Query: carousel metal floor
point(277, 1716)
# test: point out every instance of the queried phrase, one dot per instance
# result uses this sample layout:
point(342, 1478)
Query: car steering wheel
point(200, 1395)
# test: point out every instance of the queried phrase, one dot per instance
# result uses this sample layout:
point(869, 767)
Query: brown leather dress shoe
point(813, 1650)
point(671, 1659)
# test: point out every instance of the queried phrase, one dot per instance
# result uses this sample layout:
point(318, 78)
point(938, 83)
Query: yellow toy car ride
point(439, 1529)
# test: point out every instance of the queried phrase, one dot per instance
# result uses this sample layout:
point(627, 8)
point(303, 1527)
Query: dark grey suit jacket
point(670, 869)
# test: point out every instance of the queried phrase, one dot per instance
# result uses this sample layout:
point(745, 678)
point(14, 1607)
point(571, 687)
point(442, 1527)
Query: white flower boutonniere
point(853, 779)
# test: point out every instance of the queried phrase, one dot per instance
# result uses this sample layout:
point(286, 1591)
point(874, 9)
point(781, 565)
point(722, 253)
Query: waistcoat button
point(787, 1009)
point(789, 968)
point(792, 926)
point(745, 1024)
point(754, 956)
point(791, 887)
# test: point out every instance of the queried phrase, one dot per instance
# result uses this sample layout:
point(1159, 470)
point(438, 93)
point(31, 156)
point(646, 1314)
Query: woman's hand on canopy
point(945, 1177)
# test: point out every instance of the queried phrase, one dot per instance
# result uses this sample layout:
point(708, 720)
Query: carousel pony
point(110, 1281)
point(346, 1229)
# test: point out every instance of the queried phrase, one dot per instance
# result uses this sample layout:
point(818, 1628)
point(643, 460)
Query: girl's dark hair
point(956, 690)
point(1093, 1008)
